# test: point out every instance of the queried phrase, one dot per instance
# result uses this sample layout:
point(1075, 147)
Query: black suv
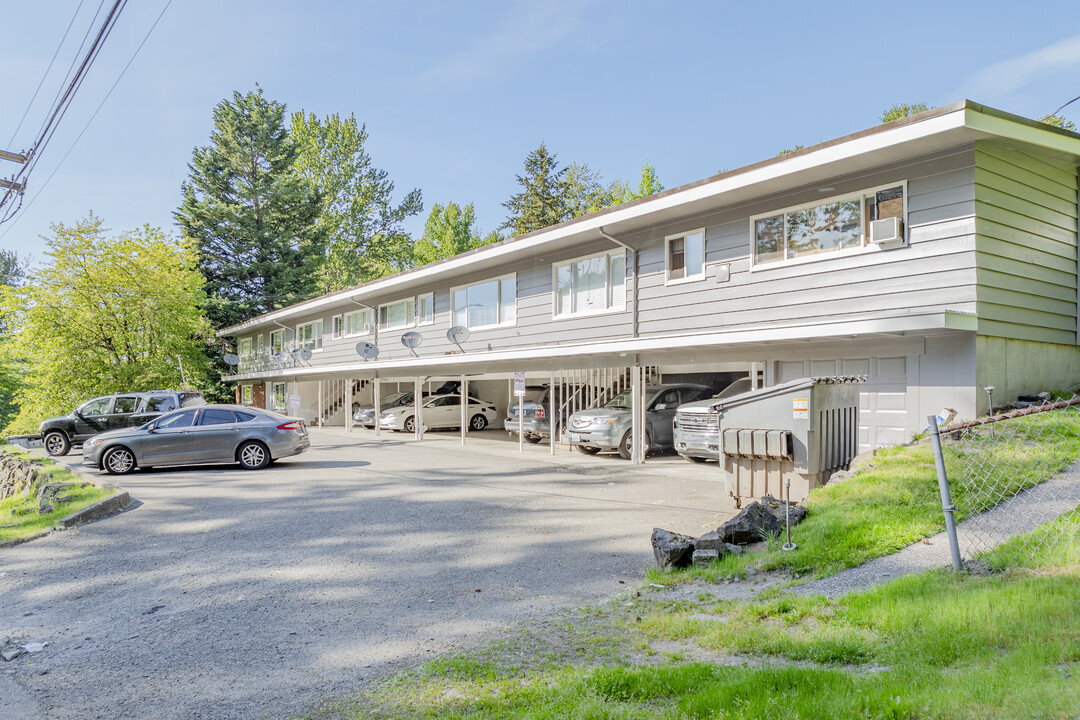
point(111, 412)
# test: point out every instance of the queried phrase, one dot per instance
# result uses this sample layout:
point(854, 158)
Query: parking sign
point(519, 384)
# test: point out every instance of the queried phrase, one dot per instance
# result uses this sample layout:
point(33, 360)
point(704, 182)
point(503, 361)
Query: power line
point(87, 125)
point(1065, 105)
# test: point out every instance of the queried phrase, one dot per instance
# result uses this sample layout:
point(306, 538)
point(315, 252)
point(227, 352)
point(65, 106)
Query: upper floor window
point(400, 314)
point(822, 227)
point(277, 341)
point(592, 284)
point(686, 255)
point(358, 322)
point(486, 304)
point(425, 309)
point(245, 346)
point(337, 327)
point(310, 335)
point(262, 343)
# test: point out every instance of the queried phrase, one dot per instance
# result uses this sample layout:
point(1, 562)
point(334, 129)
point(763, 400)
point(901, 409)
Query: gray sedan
point(211, 434)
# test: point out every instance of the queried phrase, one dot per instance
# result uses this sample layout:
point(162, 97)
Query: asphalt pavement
point(222, 593)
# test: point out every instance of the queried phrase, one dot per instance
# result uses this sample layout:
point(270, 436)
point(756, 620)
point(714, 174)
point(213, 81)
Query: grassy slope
point(31, 525)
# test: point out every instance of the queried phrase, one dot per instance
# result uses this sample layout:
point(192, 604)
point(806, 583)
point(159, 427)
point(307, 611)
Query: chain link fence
point(1015, 484)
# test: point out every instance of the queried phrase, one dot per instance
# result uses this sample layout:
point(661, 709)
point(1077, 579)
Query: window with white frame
point(310, 335)
point(357, 322)
point(400, 314)
point(592, 284)
point(825, 226)
point(245, 347)
point(337, 327)
point(425, 309)
point(277, 341)
point(486, 304)
point(278, 396)
point(262, 343)
point(246, 394)
point(686, 255)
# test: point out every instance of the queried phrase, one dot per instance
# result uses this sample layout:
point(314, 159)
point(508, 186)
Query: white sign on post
point(294, 402)
point(519, 384)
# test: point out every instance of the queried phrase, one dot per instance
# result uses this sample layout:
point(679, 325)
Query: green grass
point(30, 525)
point(935, 645)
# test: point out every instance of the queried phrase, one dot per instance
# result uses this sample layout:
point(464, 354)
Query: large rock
point(671, 550)
point(777, 510)
point(703, 558)
point(712, 540)
point(753, 524)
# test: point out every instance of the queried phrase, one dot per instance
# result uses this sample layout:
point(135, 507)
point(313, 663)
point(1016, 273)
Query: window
point(309, 335)
point(337, 327)
point(278, 397)
point(262, 343)
point(486, 304)
point(400, 314)
point(357, 322)
point(177, 420)
point(823, 227)
point(245, 347)
point(217, 417)
point(425, 309)
point(592, 284)
point(686, 256)
point(125, 404)
point(99, 406)
point(246, 394)
point(277, 341)
point(161, 404)
point(242, 416)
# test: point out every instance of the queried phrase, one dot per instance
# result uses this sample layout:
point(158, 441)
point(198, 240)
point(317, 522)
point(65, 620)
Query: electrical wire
point(1064, 106)
point(87, 125)
point(47, 70)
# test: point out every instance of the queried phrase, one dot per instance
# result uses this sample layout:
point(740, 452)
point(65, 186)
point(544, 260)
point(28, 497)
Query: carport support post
point(551, 411)
point(464, 397)
point(635, 412)
point(378, 400)
point(418, 388)
point(320, 404)
point(345, 405)
point(521, 423)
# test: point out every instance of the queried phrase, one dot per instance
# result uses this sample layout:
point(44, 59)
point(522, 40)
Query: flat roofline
point(957, 115)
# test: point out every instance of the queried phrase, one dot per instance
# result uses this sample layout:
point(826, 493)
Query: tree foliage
point(648, 184)
point(253, 219)
point(106, 315)
point(1058, 121)
point(902, 110)
point(12, 274)
point(363, 227)
point(542, 199)
point(451, 230)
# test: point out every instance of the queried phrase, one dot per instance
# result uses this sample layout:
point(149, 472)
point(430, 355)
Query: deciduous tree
point(451, 230)
point(902, 110)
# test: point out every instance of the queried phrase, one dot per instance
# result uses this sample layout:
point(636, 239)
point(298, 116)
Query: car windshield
point(533, 395)
point(622, 400)
point(396, 399)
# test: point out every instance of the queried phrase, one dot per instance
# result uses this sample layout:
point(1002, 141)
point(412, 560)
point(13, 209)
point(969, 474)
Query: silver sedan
point(190, 436)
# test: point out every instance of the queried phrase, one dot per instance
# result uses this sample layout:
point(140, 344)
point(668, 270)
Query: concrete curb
point(102, 508)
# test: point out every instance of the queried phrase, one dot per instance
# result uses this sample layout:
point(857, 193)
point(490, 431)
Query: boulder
point(776, 508)
point(734, 549)
point(671, 550)
point(712, 540)
point(753, 524)
point(705, 557)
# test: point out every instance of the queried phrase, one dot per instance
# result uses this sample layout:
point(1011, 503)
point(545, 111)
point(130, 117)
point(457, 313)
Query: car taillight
point(294, 425)
point(539, 413)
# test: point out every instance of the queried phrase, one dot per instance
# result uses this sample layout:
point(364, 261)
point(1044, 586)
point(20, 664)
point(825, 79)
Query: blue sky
point(455, 95)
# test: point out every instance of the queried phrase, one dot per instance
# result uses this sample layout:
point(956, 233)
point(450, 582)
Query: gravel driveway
point(231, 594)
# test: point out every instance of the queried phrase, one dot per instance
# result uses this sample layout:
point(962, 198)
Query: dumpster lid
point(782, 389)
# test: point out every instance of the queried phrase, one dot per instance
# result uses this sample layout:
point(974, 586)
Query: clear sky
point(455, 95)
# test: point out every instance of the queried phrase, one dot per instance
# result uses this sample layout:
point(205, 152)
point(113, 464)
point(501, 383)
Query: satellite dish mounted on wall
point(231, 359)
point(367, 350)
point(412, 340)
point(457, 335)
point(280, 358)
point(305, 354)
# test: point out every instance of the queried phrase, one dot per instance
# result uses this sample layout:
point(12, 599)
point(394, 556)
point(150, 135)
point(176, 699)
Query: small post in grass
point(946, 498)
point(787, 520)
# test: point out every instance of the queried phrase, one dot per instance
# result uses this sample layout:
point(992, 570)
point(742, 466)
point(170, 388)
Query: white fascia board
point(840, 152)
point(895, 324)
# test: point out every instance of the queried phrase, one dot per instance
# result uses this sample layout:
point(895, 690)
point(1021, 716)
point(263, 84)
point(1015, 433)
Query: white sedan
point(439, 411)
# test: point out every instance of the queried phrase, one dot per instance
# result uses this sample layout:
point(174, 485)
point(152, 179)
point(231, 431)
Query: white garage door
point(883, 406)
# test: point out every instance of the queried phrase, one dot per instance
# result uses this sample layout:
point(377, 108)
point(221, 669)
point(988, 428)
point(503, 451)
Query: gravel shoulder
point(222, 593)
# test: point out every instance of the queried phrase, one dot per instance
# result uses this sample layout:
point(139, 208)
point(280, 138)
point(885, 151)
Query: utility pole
point(11, 184)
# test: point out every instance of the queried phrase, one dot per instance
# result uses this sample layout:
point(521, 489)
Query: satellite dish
point(232, 359)
point(457, 334)
point(305, 354)
point(295, 352)
point(280, 357)
point(412, 340)
point(366, 350)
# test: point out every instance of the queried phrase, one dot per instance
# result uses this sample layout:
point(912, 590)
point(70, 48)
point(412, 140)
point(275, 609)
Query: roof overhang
point(939, 129)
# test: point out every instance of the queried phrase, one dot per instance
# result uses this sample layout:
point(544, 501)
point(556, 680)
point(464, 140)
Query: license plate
point(575, 437)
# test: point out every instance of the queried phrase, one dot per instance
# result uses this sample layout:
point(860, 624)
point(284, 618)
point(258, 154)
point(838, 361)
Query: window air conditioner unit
point(889, 230)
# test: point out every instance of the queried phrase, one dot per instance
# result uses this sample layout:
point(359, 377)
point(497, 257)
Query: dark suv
point(111, 412)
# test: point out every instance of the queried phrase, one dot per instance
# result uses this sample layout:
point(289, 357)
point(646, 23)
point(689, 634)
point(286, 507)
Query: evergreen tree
point(253, 221)
point(1058, 121)
point(542, 200)
point(449, 231)
point(364, 233)
point(584, 191)
point(902, 110)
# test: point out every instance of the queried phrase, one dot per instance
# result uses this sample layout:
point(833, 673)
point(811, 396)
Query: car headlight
point(93, 442)
point(41, 427)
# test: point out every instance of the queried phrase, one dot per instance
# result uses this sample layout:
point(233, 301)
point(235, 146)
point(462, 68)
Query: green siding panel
point(1027, 268)
point(1001, 168)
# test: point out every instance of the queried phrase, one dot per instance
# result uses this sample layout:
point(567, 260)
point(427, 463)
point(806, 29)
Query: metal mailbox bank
point(804, 430)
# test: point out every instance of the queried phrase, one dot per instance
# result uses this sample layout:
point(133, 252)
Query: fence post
point(943, 488)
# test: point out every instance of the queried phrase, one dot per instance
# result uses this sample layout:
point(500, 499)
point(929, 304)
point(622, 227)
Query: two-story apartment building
point(936, 254)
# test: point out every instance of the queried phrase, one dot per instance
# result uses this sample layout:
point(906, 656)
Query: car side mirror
point(151, 427)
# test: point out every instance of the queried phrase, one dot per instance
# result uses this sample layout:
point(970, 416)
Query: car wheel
point(586, 450)
point(478, 422)
point(410, 424)
point(56, 443)
point(533, 439)
point(626, 447)
point(253, 455)
point(695, 459)
point(118, 461)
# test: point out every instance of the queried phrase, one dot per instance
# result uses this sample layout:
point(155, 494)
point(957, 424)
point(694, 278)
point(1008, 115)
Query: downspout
point(634, 279)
